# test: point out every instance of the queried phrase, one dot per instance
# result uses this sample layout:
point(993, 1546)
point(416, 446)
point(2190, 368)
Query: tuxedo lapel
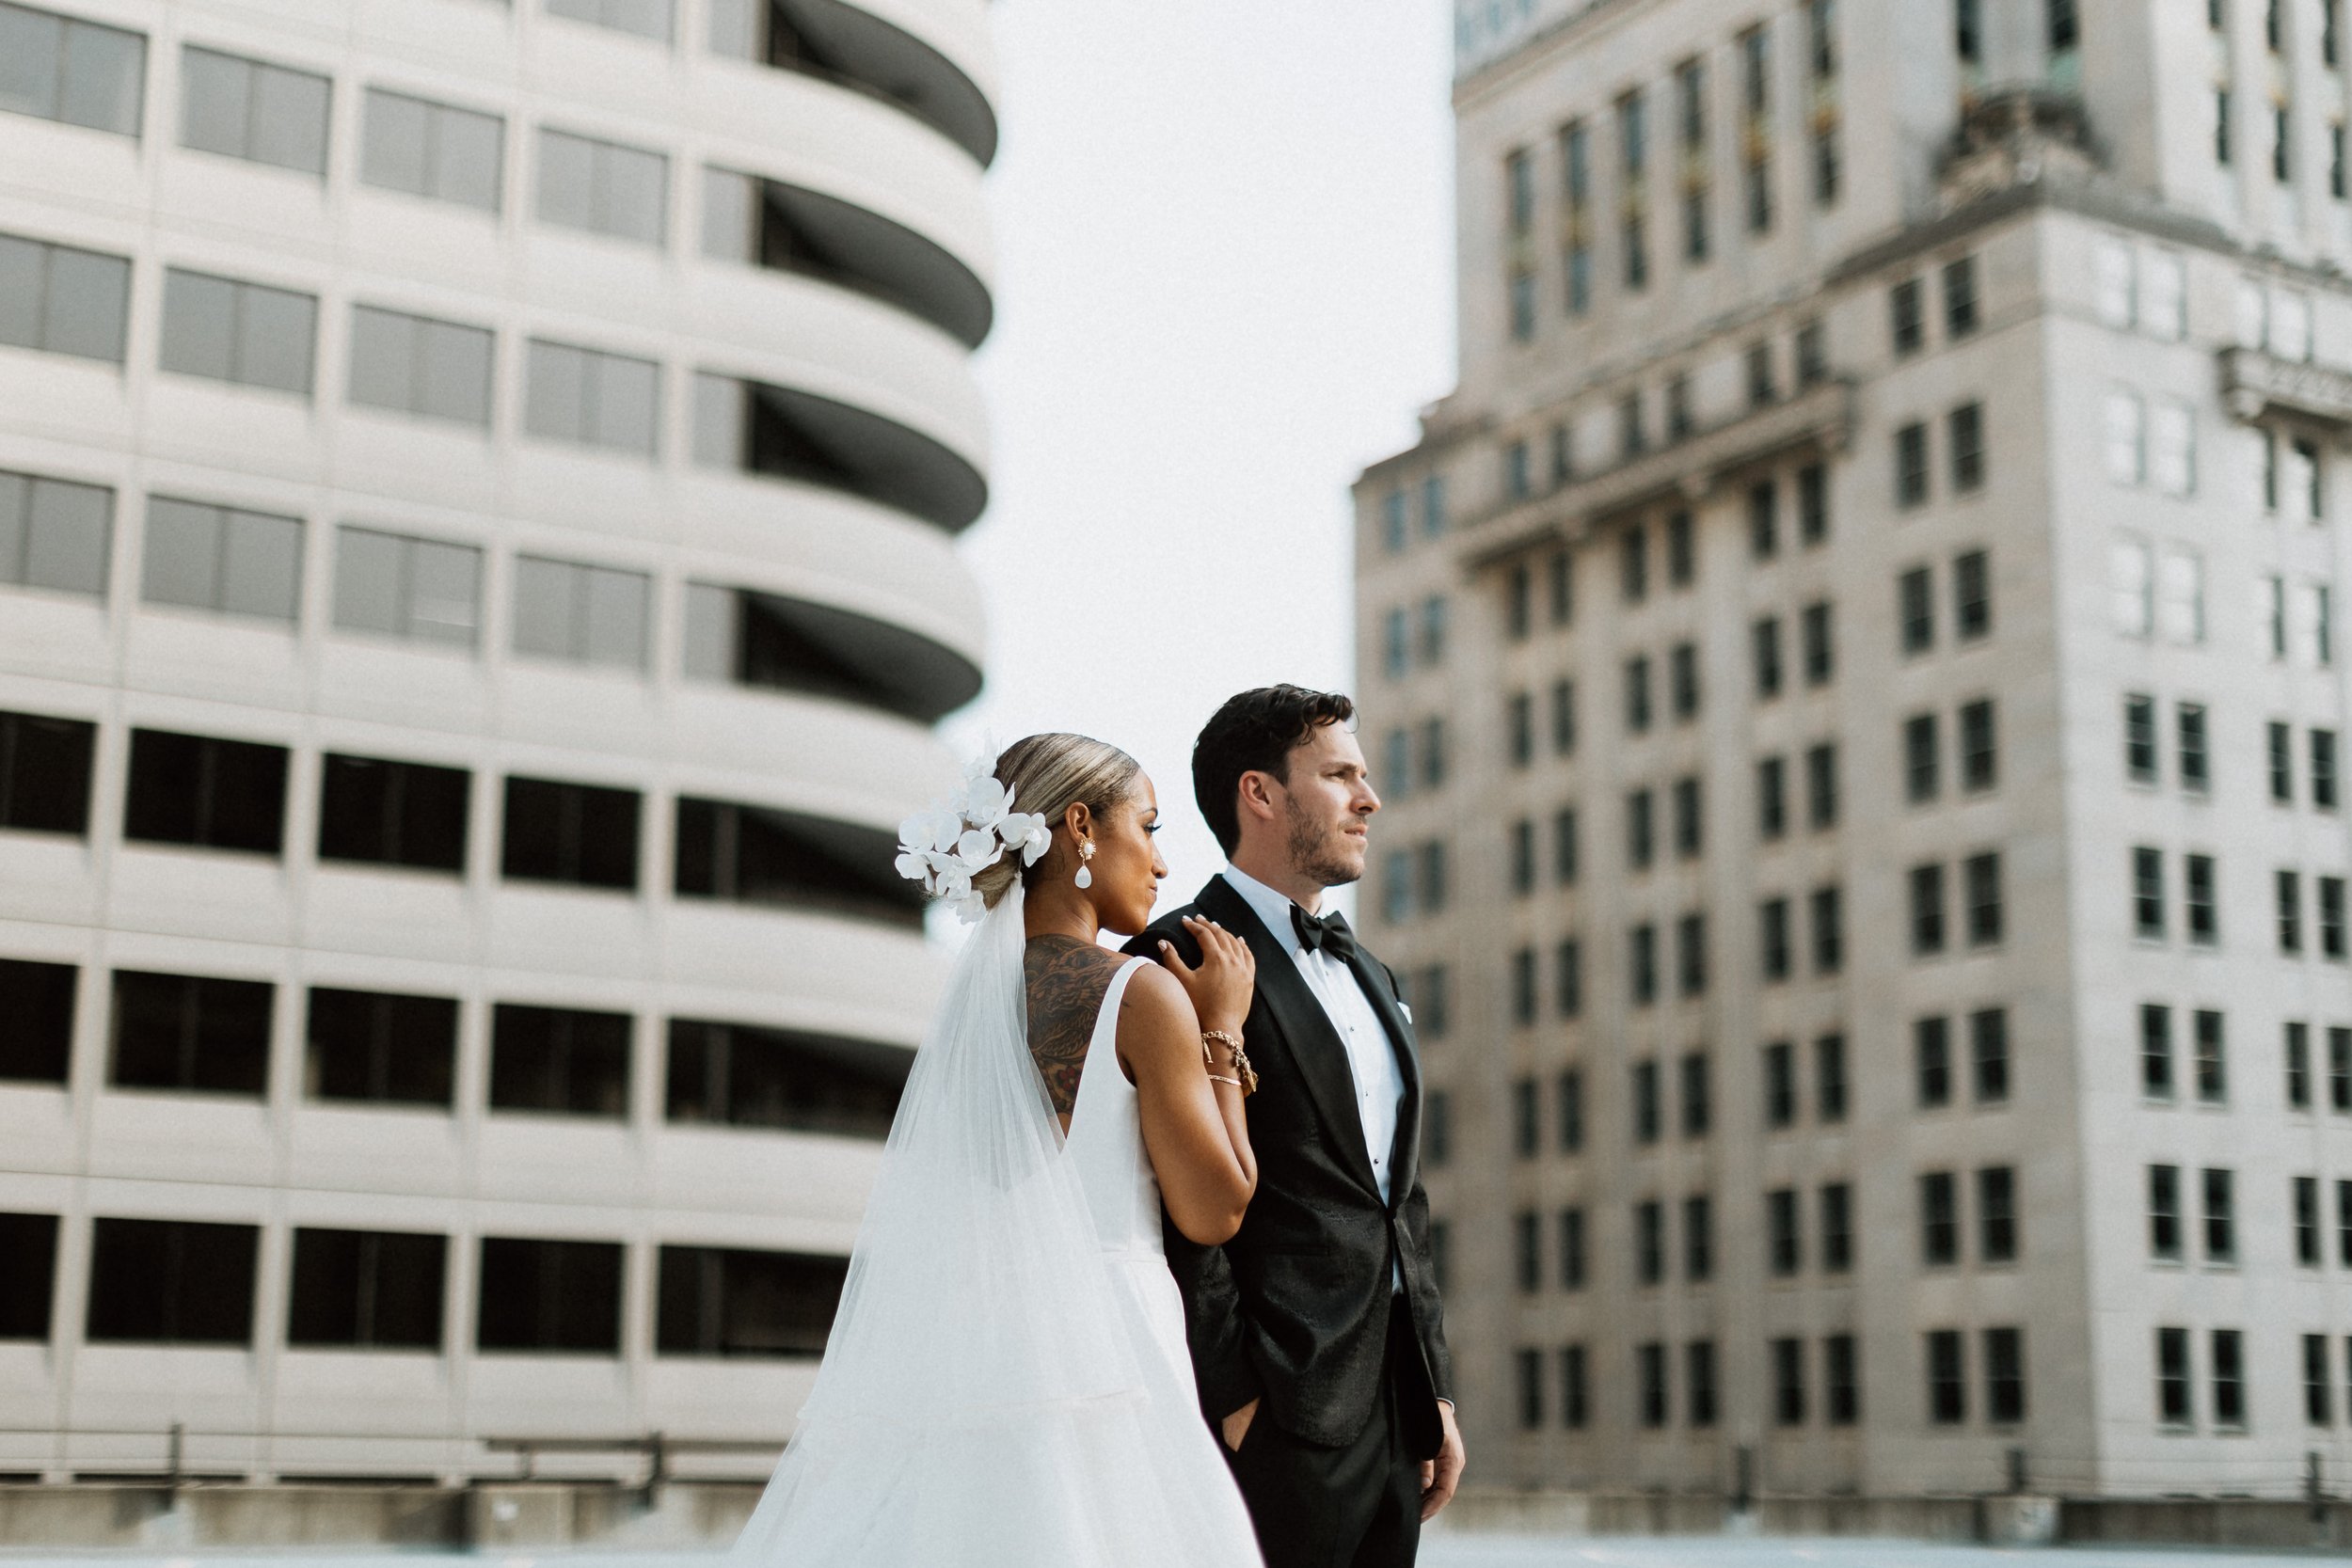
point(1305, 1030)
point(1406, 1157)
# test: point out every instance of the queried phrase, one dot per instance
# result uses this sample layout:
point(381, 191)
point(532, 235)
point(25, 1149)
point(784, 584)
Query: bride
point(1007, 1383)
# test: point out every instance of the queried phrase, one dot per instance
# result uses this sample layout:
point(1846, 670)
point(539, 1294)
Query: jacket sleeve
point(1215, 1329)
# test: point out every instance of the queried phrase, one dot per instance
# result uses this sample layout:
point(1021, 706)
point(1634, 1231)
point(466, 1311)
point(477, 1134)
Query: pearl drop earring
point(1086, 853)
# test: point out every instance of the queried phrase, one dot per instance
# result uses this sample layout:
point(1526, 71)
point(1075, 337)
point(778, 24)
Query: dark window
point(28, 1284)
point(192, 1032)
point(1828, 1078)
point(196, 790)
point(1650, 1362)
point(1922, 762)
point(1979, 747)
point(2172, 1400)
point(2204, 916)
point(1649, 1114)
point(1522, 855)
point(2212, 1078)
point(1687, 817)
point(2295, 1044)
point(1528, 1251)
point(383, 812)
point(1843, 1374)
point(1788, 1382)
point(1633, 564)
point(2318, 1383)
point(2004, 1375)
point(554, 1296)
point(1947, 1385)
point(1518, 716)
point(1939, 1219)
point(1932, 1059)
point(1907, 317)
point(1526, 1118)
point(1438, 1128)
point(1819, 658)
point(1574, 1409)
point(1637, 703)
point(1518, 594)
point(1927, 909)
point(1641, 838)
point(2221, 1190)
point(1765, 634)
point(1649, 1241)
point(1568, 1100)
point(1563, 846)
point(1820, 786)
point(2156, 1050)
point(1564, 718)
point(37, 999)
point(1772, 797)
point(1523, 987)
point(1827, 910)
point(380, 1289)
point(45, 773)
point(1813, 503)
point(1996, 1215)
point(1972, 595)
point(1964, 441)
point(1988, 1034)
point(2229, 1378)
point(732, 1302)
point(171, 1282)
point(2307, 1250)
point(559, 1059)
point(1698, 1239)
point(1697, 1103)
point(1684, 670)
point(381, 1048)
point(1530, 1364)
point(1773, 937)
point(2281, 740)
point(1780, 1085)
point(1914, 596)
point(1763, 520)
point(1836, 1227)
point(2194, 758)
point(1981, 878)
point(2139, 739)
point(1783, 1248)
point(1699, 1378)
point(570, 832)
point(1960, 296)
point(2164, 1213)
point(2148, 892)
point(1911, 465)
point(1571, 1249)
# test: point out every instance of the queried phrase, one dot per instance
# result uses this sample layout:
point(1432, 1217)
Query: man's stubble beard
point(1313, 855)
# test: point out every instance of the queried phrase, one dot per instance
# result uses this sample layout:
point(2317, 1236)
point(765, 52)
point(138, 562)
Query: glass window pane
point(88, 304)
point(555, 400)
point(200, 324)
point(383, 358)
point(617, 618)
point(289, 118)
point(647, 18)
point(727, 198)
point(22, 263)
point(16, 502)
point(368, 580)
point(457, 372)
point(275, 331)
point(735, 27)
point(106, 72)
point(711, 627)
point(67, 546)
point(718, 420)
point(30, 47)
point(181, 559)
point(215, 100)
point(392, 142)
point(546, 598)
point(443, 595)
point(566, 180)
point(627, 395)
point(636, 185)
point(260, 568)
point(469, 158)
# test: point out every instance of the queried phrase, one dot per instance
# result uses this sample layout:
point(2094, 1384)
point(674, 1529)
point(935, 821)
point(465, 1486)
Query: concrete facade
point(1961, 367)
point(640, 330)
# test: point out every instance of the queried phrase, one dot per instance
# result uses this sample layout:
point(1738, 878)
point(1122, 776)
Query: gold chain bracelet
point(1245, 1077)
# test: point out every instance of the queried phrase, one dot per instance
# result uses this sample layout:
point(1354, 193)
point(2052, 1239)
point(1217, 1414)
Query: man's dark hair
point(1255, 733)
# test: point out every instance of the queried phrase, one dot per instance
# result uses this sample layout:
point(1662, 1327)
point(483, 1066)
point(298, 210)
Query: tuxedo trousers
point(1356, 1505)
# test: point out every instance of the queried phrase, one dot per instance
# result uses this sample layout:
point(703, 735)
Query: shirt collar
point(1272, 908)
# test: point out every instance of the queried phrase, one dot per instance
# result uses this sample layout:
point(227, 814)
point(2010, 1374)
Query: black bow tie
point(1327, 933)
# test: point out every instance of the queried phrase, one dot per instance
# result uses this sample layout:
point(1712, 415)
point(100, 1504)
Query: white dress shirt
point(1371, 1056)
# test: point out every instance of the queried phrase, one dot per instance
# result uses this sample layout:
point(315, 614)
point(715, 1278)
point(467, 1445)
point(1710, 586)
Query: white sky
point(1225, 284)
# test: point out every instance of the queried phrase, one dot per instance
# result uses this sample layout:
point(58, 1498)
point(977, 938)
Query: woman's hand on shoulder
point(1221, 985)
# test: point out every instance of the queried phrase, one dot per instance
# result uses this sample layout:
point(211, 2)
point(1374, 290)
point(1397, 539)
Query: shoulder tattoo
point(1066, 980)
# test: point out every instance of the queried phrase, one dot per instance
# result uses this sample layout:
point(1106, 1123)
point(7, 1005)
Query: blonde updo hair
point(1048, 774)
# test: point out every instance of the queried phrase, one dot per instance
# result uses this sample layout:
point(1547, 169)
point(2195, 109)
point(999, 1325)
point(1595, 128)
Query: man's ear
point(1256, 790)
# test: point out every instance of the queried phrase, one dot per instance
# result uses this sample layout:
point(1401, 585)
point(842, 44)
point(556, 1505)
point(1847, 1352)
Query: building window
point(1911, 465)
point(1772, 797)
point(1766, 636)
point(1643, 956)
point(2204, 913)
point(2229, 1379)
point(737, 1303)
point(1820, 786)
point(1527, 1249)
point(72, 71)
point(1908, 317)
point(1698, 1239)
point(584, 397)
point(1784, 1248)
point(1522, 854)
point(382, 812)
point(380, 1047)
point(1574, 1409)
point(1650, 1359)
point(1433, 753)
point(2339, 1068)
point(1812, 346)
point(1523, 994)
point(1927, 909)
point(1568, 1096)
point(1633, 565)
point(1813, 503)
point(603, 187)
point(1959, 297)
point(549, 1296)
point(1437, 1127)
point(1914, 599)
point(205, 792)
point(248, 334)
point(1829, 930)
point(190, 1033)
point(216, 558)
point(1433, 629)
point(1780, 1085)
point(435, 370)
point(61, 299)
point(1842, 1372)
point(1561, 570)
point(366, 1290)
point(1393, 532)
point(570, 832)
point(2322, 755)
point(2318, 1381)
point(1836, 1227)
point(1699, 1381)
point(1931, 1060)
point(30, 1243)
point(1681, 549)
point(2164, 1213)
point(563, 1060)
point(2005, 1375)
point(1972, 595)
point(1988, 1034)
point(1922, 765)
point(1761, 387)
point(2289, 890)
point(1568, 977)
point(2331, 934)
point(249, 109)
point(437, 150)
point(171, 1282)
point(1648, 1112)
point(2307, 1250)
point(1687, 817)
point(1772, 933)
point(2296, 1046)
point(45, 774)
point(1982, 876)
point(2156, 1050)
point(1519, 714)
point(1947, 1386)
point(1828, 1078)
point(1996, 1215)
point(1433, 505)
point(1678, 419)
point(2220, 1194)
point(1939, 1219)
point(1964, 441)
point(1787, 1382)
point(2148, 893)
point(1571, 1249)
point(418, 589)
point(1564, 718)
point(38, 1001)
point(1563, 846)
point(1649, 1241)
point(2139, 739)
point(1637, 699)
point(1518, 601)
point(1690, 966)
point(1763, 520)
point(1640, 835)
point(2172, 1396)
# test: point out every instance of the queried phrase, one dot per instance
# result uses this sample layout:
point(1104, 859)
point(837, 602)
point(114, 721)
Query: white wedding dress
point(1007, 1384)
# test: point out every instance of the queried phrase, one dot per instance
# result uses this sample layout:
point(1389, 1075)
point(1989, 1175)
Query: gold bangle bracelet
point(1219, 1078)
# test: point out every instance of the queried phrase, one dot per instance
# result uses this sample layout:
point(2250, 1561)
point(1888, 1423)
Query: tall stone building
point(1856, 674)
point(479, 486)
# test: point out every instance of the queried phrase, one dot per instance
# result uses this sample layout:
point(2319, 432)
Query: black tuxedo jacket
point(1295, 1309)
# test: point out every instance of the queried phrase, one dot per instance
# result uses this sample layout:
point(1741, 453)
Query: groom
point(1316, 1332)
